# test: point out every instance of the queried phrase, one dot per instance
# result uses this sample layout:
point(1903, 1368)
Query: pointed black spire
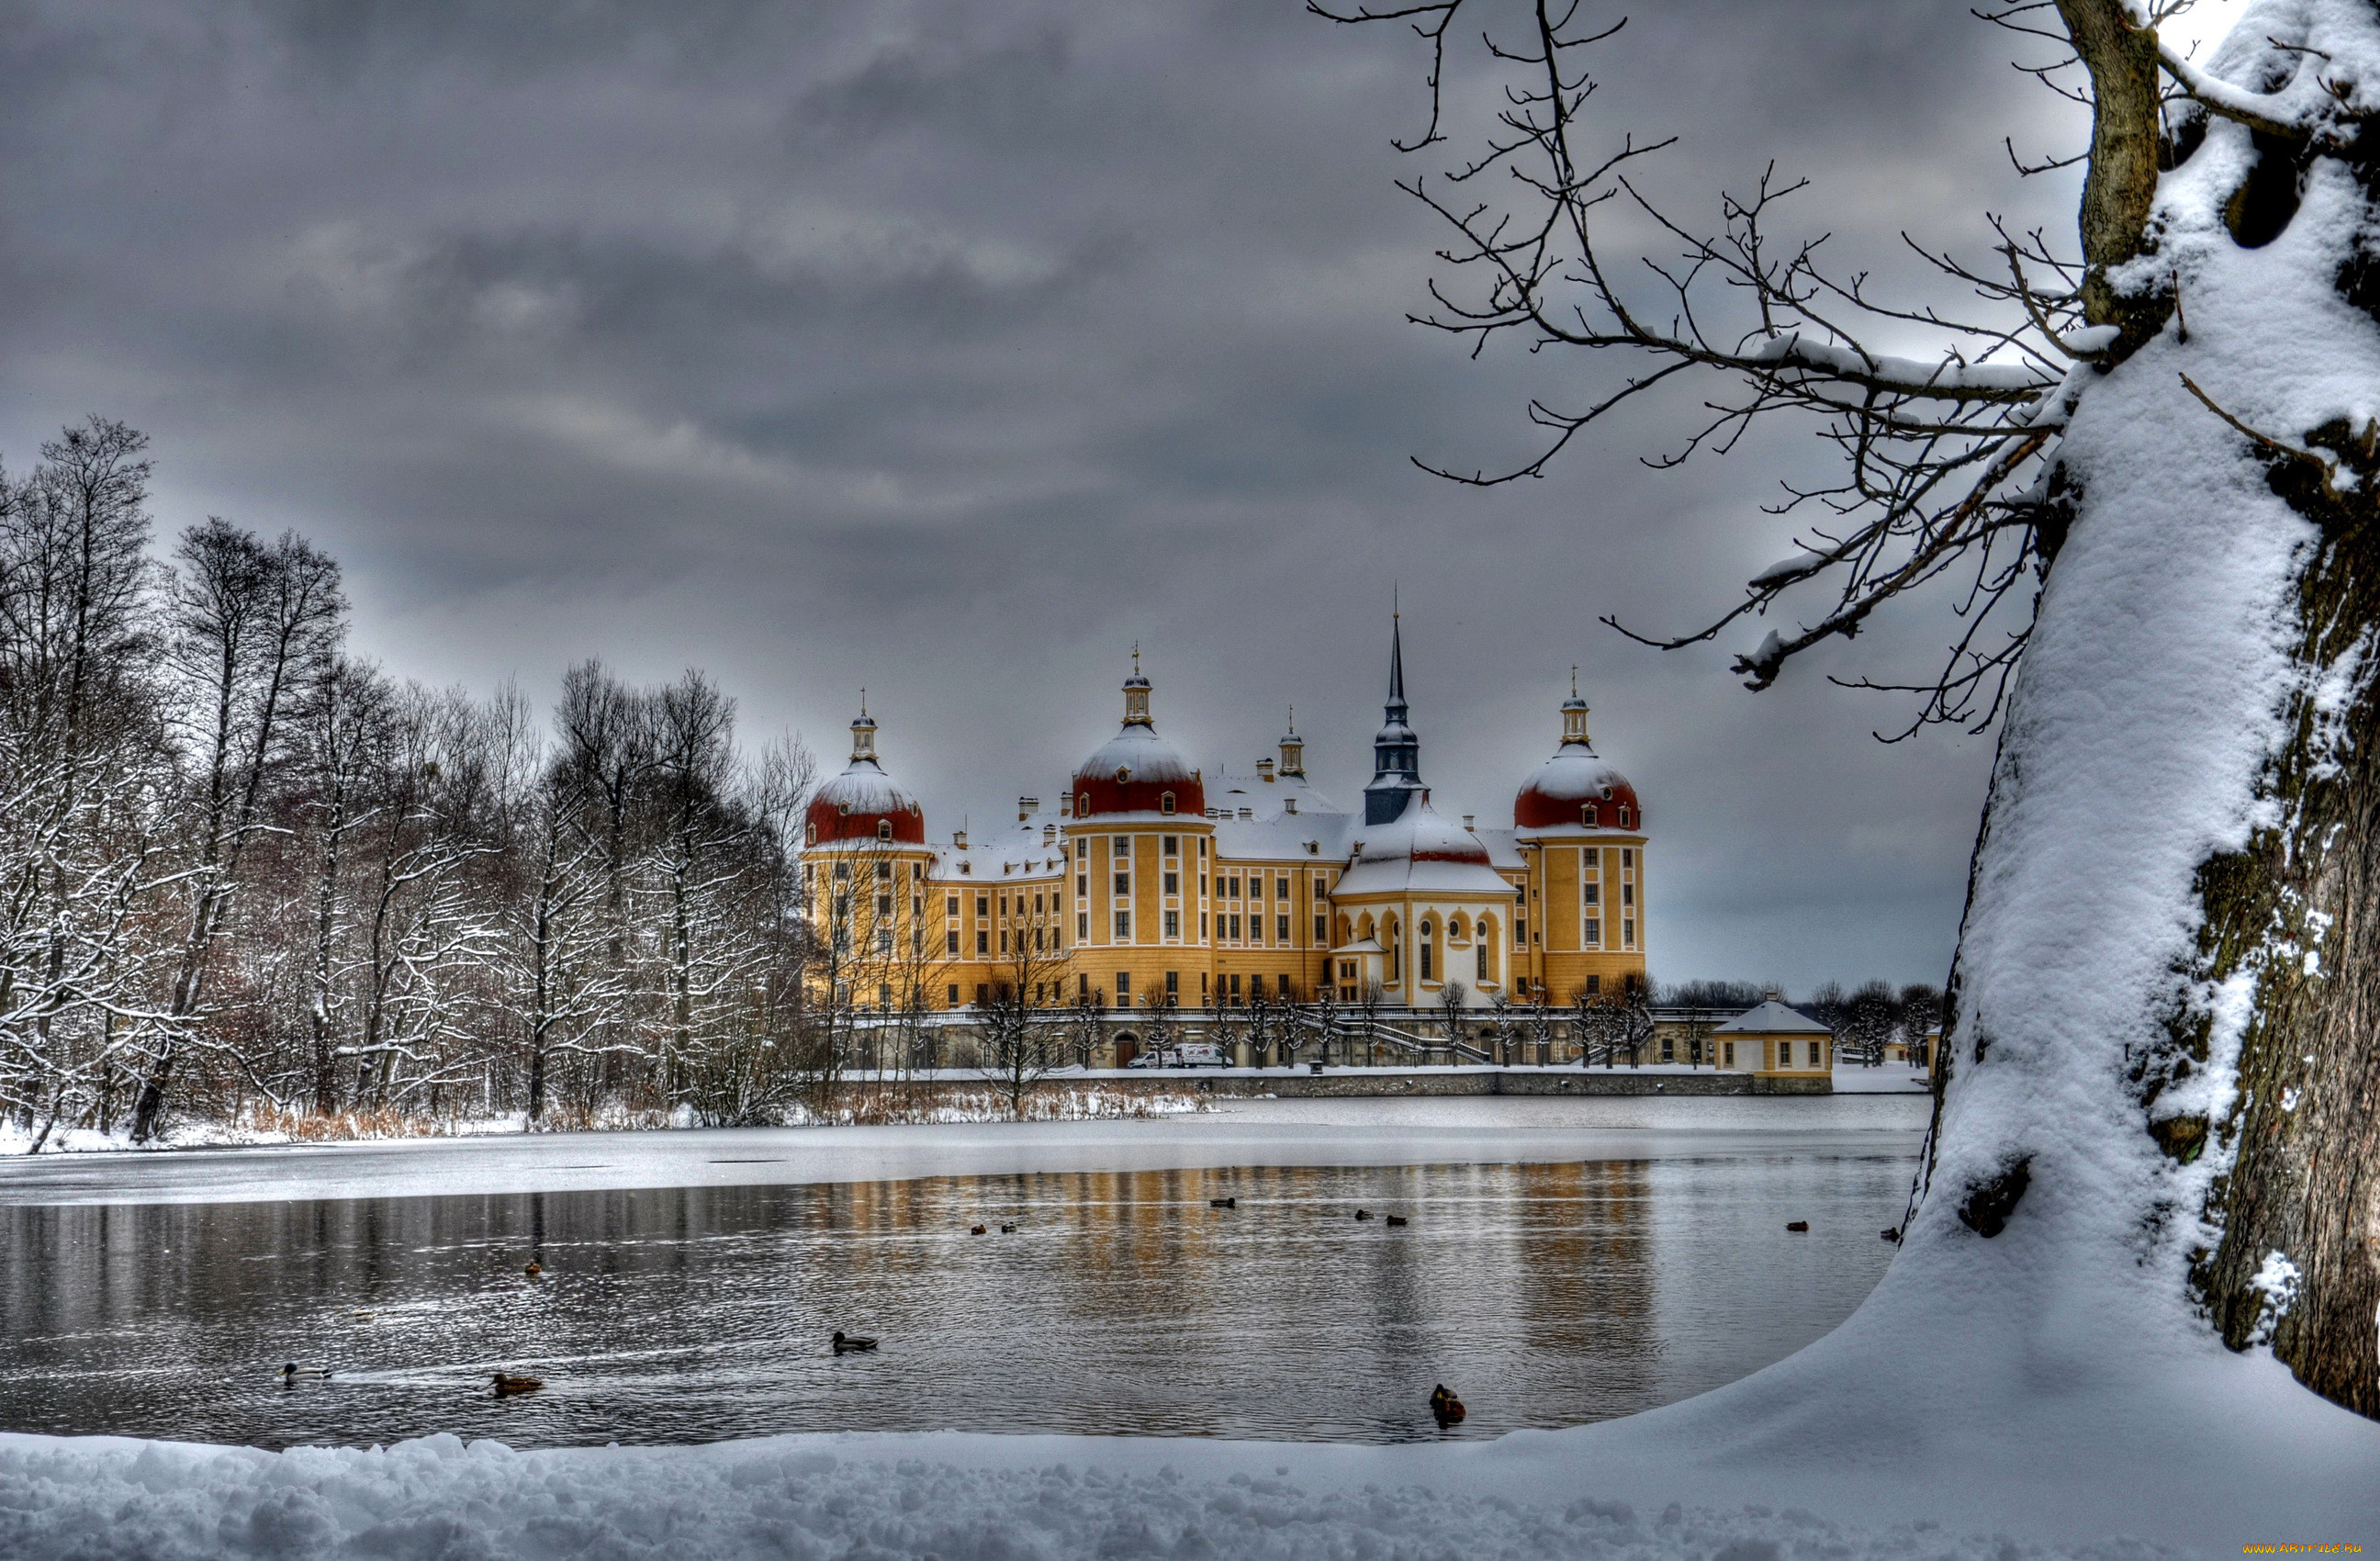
point(1396, 752)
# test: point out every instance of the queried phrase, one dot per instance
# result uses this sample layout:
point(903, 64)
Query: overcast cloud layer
point(950, 348)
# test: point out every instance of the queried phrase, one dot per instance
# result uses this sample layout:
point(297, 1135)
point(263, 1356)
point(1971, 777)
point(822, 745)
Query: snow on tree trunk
point(2180, 838)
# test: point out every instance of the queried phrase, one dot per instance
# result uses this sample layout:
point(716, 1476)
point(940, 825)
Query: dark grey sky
point(950, 348)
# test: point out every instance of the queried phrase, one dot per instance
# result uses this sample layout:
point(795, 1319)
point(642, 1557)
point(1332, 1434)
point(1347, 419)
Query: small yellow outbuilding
point(1774, 1040)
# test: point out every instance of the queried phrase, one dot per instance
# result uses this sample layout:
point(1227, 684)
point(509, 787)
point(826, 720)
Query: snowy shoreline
point(1240, 1133)
point(2094, 1438)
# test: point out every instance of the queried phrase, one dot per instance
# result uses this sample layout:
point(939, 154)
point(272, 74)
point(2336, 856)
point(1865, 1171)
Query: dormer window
point(1624, 815)
point(884, 829)
point(1165, 803)
point(1587, 816)
point(810, 836)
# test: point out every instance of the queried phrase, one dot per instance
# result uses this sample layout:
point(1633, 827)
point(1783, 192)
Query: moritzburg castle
point(1155, 882)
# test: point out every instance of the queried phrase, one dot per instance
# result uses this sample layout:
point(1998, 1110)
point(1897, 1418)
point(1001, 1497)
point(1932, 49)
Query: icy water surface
point(1547, 1293)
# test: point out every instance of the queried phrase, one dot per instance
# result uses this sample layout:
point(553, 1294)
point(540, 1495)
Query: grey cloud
point(952, 348)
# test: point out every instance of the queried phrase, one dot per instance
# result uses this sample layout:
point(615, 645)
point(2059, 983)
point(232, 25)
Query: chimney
point(1247, 812)
point(1026, 807)
point(958, 838)
point(1468, 824)
point(1264, 772)
point(1289, 805)
point(1049, 834)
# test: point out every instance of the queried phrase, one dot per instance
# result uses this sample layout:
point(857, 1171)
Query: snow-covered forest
point(246, 871)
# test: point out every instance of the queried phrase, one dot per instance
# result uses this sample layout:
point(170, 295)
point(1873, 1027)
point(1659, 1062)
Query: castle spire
point(863, 734)
point(1136, 692)
point(1292, 749)
point(1573, 714)
point(1396, 752)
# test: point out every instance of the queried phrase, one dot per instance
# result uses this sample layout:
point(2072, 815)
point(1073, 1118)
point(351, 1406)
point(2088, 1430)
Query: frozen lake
point(1565, 1260)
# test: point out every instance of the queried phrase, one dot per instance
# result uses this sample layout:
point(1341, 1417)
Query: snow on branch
point(1944, 457)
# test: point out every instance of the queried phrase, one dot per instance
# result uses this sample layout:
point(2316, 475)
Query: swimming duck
point(1396, 1219)
point(1222, 1202)
point(1008, 1229)
point(1797, 1225)
point(291, 1371)
point(978, 1231)
point(845, 1344)
point(1893, 1236)
point(1362, 1214)
point(507, 1383)
point(534, 1269)
point(1444, 1407)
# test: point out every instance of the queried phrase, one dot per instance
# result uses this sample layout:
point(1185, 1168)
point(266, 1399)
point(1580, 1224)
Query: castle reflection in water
point(1550, 1294)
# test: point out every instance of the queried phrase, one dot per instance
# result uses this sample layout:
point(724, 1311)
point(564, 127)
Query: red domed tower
point(1581, 831)
point(1575, 789)
point(863, 803)
point(1136, 770)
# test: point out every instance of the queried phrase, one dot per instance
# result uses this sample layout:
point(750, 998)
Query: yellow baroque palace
point(1151, 882)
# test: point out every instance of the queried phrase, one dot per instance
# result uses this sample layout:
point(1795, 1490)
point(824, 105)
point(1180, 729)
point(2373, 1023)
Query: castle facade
point(1151, 882)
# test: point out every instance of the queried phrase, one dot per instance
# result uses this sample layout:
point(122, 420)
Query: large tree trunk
point(2163, 1078)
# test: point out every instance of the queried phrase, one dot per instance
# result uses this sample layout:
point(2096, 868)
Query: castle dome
point(863, 803)
point(1136, 770)
point(1420, 851)
point(1575, 789)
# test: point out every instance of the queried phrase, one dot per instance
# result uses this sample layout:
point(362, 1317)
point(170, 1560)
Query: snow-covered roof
point(1266, 797)
point(1420, 852)
point(1010, 855)
point(863, 787)
point(1772, 1018)
point(1319, 836)
point(1138, 749)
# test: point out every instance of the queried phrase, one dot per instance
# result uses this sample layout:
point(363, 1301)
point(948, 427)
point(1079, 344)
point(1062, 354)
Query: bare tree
point(1021, 1031)
point(2094, 395)
point(252, 624)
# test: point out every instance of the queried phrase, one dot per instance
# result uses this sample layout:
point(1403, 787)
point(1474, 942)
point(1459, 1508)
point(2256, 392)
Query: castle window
point(1590, 934)
point(1587, 816)
point(1594, 985)
point(1123, 926)
point(884, 829)
point(1624, 815)
point(950, 946)
point(1173, 846)
point(950, 905)
point(1280, 930)
point(884, 869)
point(1172, 924)
point(1428, 953)
point(983, 905)
point(1483, 971)
point(982, 992)
point(1321, 927)
point(1172, 984)
point(983, 943)
point(1165, 803)
point(1628, 858)
point(954, 995)
point(1083, 926)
